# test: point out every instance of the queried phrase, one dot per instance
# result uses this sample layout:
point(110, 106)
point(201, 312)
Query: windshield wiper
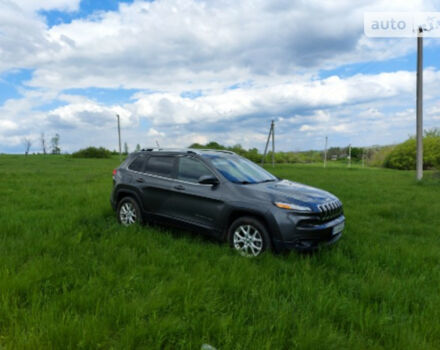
point(245, 182)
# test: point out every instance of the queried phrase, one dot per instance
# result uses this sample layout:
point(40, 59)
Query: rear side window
point(162, 166)
point(138, 164)
point(191, 169)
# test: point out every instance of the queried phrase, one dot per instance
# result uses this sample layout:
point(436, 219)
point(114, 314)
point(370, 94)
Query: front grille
point(330, 210)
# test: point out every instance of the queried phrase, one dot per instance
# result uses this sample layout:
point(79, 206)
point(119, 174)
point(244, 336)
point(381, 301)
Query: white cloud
point(8, 125)
point(275, 100)
point(89, 114)
point(176, 45)
point(305, 127)
point(32, 5)
point(351, 108)
point(154, 133)
point(273, 51)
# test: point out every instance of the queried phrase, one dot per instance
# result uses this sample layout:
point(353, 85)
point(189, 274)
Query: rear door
point(193, 203)
point(155, 183)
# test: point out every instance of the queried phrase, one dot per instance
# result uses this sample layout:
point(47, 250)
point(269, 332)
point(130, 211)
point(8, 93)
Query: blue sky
point(180, 72)
point(85, 9)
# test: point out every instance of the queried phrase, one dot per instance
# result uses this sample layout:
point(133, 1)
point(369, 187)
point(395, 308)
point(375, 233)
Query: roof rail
point(217, 150)
point(156, 149)
point(187, 150)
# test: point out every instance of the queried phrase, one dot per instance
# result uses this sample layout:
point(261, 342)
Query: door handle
point(179, 187)
point(139, 179)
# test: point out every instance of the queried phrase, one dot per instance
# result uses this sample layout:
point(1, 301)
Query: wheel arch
point(125, 192)
point(238, 213)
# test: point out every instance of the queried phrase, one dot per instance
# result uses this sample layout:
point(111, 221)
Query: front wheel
point(249, 237)
point(128, 212)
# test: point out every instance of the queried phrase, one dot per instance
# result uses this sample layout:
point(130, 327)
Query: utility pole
point(325, 152)
point(419, 161)
point(349, 155)
point(119, 135)
point(271, 134)
point(363, 157)
point(273, 144)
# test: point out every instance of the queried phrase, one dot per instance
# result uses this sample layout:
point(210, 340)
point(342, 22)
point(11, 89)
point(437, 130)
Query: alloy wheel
point(248, 241)
point(127, 214)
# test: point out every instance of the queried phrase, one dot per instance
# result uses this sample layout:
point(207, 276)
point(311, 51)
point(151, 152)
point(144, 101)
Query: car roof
point(174, 151)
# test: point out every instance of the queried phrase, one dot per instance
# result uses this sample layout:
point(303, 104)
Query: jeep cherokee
point(226, 196)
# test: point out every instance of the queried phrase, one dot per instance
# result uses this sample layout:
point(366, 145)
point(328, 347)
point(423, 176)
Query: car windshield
point(239, 170)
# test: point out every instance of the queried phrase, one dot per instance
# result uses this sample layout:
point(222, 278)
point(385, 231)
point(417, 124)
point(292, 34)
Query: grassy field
point(71, 277)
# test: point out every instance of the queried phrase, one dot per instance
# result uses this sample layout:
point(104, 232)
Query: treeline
point(402, 156)
point(101, 152)
point(255, 156)
point(313, 156)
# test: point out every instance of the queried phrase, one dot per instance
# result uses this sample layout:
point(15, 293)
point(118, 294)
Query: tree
point(356, 153)
point(92, 152)
point(27, 145)
point(138, 147)
point(336, 152)
point(403, 156)
point(434, 132)
point(214, 145)
point(125, 148)
point(196, 145)
point(55, 141)
point(43, 143)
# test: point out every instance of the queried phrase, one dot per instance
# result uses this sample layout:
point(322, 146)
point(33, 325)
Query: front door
point(193, 203)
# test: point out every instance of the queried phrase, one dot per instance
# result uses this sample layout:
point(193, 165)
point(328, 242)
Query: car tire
point(128, 212)
point(249, 237)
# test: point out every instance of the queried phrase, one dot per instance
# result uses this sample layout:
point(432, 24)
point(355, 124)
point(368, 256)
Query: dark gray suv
point(226, 196)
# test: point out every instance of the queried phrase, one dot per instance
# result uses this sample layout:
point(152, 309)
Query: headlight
point(295, 207)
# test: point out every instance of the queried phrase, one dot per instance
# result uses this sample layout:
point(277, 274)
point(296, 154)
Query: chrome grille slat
point(330, 210)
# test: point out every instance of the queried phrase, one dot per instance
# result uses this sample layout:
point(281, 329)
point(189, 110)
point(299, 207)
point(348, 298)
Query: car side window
point(191, 169)
point(138, 164)
point(162, 166)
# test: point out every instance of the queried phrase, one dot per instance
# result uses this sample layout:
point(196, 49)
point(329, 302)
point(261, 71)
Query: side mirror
point(208, 180)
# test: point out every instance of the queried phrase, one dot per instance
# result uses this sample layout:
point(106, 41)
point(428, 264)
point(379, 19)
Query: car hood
point(295, 193)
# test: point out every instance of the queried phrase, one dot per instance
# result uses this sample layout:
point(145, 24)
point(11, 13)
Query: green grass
point(71, 277)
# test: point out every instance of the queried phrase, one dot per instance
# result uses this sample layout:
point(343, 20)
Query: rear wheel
point(128, 212)
point(249, 237)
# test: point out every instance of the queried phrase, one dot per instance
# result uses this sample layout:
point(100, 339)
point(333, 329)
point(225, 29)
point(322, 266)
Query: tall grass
point(71, 277)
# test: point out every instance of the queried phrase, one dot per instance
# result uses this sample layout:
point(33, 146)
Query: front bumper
point(311, 237)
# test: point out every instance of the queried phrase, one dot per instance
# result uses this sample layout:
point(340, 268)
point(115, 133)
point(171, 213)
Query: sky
point(185, 71)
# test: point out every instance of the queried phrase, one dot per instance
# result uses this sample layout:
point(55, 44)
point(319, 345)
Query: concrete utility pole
point(273, 144)
point(271, 134)
point(119, 135)
point(349, 155)
point(419, 161)
point(363, 157)
point(325, 152)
